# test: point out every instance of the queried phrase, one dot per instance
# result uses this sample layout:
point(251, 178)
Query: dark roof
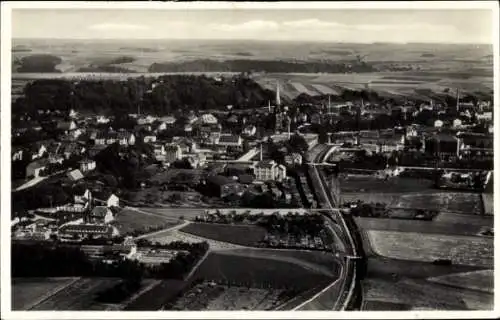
point(100, 211)
point(219, 180)
point(229, 139)
point(64, 125)
point(246, 178)
point(265, 164)
point(87, 228)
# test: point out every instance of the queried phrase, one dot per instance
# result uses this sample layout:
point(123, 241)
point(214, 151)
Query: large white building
point(269, 171)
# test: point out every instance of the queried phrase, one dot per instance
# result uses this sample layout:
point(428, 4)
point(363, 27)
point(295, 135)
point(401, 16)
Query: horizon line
point(253, 40)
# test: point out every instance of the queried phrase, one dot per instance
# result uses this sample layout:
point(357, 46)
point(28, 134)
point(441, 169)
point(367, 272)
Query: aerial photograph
point(251, 159)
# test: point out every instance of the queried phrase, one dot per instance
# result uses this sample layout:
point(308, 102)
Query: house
point(102, 119)
point(87, 165)
point(85, 230)
point(229, 140)
point(35, 167)
point(125, 138)
point(72, 149)
point(223, 186)
point(457, 123)
point(161, 126)
point(269, 171)
point(142, 128)
point(173, 152)
point(250, 130)
point(66, 126)
point(159, 150)
point(75, 175)
point(82, 196)
point(146, 120)
point(101, 214)
point(442, 145)
point(149, 138)
point(38, 149)
point(17, 153)
point(208, 119)
point(438, 124)
point(474, 145)
point(293, 159)
point(106, 198)
point(168, 120)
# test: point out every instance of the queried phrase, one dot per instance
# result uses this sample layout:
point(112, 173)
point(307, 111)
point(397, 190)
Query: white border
point(6, 8)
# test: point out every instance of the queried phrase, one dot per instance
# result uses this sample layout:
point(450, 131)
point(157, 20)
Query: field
point(430, 76)
point(258, 272)
point(474, 251)
point(469, 226)
point(130, 220)
point(245, 235)
point(422, 295)
point(369, 184)
point(474, 280)
point(27, 292)
point(155, 298)
point(318, 262)
point(175, 213)
point(217, 297)
point(78, 296)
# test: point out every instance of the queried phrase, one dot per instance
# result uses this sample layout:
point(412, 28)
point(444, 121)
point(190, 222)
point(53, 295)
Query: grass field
point(464, 250)
point(258, 271)
point(157, 297)
point(176, 213)
point(469, 226)
point(475, 280)
point(27, 292)
point(424, 295)
point(245, 235)
point(130, 220)
point(80, 295)
point(319, 262)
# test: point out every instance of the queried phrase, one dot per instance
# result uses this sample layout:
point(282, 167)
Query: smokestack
point(458, 99)
point(329, 104)
point(261, 151)
point(289, 120)
point(269, 106)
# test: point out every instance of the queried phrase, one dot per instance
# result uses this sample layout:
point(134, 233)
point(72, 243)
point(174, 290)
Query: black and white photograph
point(238, 157)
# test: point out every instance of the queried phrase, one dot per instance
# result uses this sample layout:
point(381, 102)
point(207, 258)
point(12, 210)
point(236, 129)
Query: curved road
point(335, 222)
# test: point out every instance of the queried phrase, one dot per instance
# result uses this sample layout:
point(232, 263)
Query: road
point(336, 224)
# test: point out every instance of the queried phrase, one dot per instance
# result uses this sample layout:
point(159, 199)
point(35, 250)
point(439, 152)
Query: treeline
point(163, 95)
point(37, 63)
point(42, 260)
point(246, 65)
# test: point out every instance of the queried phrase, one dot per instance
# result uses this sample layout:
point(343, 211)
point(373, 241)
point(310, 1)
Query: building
point(69, 149)
point(82, 196)
point(75, 175)
point(149, 138)
point(66, 126)
point(223, 186)
point(173, 153)
point(269, 171)
point(35, 167)
point(101, 214)
point(87, 165)
point(208, 119)
point(229, 140)
point(122, 137)
point(250, 130)
point(107, 199)
point(293, 159)
point(474, 145)
point(85, 230)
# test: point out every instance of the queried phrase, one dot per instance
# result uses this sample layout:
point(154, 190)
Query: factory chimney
point(278, 99)
point(261, 151)
point(458, 100)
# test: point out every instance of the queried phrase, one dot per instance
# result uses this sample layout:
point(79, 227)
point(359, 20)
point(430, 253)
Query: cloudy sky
point(417, 25)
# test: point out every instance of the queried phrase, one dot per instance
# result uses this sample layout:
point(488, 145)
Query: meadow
point(245, 235)
point(28, 292)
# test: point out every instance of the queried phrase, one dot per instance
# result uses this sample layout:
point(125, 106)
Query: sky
point(335, 25)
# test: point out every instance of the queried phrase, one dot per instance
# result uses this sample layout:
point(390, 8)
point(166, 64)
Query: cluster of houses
point(91, 217)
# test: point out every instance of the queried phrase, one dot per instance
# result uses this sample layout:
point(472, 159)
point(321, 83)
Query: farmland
point(245, 235)
point(28, 292)
point(80, 295)
point(128, 221)
point(155, 298)
point(469, 226)
point(422, 295)
point(475, 280)
point(175, 213)
point(257, 271)
point(464, 250)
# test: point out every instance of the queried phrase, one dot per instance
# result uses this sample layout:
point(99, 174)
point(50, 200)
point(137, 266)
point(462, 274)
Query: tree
point(297, 143)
